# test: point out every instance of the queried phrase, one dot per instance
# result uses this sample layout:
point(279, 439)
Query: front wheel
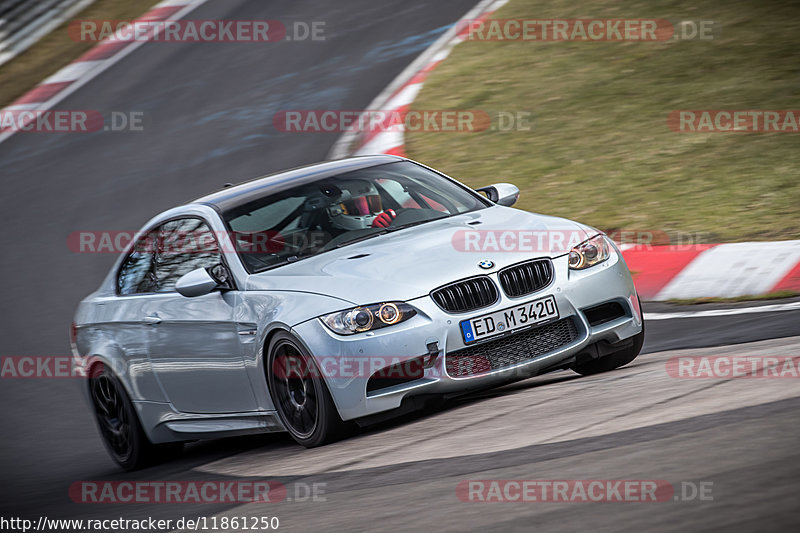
point(299, 393)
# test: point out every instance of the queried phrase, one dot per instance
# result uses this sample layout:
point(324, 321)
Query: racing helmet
point(357, 206)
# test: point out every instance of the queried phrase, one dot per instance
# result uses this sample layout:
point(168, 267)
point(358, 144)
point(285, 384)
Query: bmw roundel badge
point(486, 264)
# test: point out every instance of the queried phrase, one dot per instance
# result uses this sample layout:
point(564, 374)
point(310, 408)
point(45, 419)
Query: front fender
point(262, 313)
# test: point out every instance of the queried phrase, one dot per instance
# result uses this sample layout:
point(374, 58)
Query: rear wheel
point(300, 395)
point(119, 425)
point(614, 360)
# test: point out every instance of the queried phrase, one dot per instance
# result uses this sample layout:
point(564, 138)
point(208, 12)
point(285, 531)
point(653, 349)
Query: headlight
point(368, 317)
point(589, 253)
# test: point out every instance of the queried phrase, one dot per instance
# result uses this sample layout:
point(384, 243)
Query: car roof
point(231, 197)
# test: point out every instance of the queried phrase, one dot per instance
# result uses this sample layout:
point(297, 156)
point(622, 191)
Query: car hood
point(411, 262)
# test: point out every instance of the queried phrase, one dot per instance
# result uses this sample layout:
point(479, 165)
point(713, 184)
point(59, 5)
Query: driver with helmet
point(359, 207)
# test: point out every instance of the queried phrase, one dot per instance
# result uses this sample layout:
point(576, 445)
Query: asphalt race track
point(208, 112)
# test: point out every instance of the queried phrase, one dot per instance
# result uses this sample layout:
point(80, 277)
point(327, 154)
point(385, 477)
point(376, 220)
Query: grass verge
point(56, 50)
point(777, 295)
point(600, 150)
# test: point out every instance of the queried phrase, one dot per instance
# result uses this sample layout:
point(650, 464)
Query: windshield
point(336, 211)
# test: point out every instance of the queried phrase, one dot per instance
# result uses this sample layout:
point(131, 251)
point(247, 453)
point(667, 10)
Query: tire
point(300, 395)
point(614, 360)
point(119, 424)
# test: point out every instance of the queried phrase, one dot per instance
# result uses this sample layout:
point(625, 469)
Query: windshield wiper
point(384, 231)
point(283, 261)
point(412, 224)
point(363, 237)
point(294, 258)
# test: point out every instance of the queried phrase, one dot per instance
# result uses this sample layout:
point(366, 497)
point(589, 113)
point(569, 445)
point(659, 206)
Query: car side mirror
point(501, 193)
point(198, 282)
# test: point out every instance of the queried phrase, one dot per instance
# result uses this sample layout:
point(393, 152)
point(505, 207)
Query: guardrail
point(23, 22)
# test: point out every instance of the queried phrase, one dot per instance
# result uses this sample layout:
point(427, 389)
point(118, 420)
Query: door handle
point(152, 319)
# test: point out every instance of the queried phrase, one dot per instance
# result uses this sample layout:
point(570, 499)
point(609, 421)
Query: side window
point(183, 245)
point(136, 275)
point(269, 217)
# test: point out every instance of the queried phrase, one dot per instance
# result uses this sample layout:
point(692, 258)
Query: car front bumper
point(348, 362)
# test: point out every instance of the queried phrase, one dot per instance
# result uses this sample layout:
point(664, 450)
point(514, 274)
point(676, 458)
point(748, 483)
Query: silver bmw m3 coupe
point(336, 293)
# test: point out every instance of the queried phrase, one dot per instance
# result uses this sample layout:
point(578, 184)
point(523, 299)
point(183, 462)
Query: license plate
point(511, 319)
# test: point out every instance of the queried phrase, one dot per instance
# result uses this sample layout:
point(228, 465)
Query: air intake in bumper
point(511, 350)
point(600, 314)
